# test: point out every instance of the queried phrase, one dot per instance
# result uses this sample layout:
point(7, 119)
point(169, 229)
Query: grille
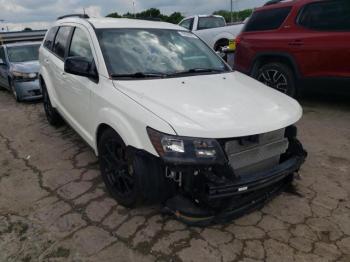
point(257, 153)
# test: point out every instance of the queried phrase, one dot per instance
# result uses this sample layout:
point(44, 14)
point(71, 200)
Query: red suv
point(287, 42)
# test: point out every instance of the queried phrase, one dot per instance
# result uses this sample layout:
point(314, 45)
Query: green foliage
point(151, 14)
point(114, 15)
point(176, 17)
point(237, 16)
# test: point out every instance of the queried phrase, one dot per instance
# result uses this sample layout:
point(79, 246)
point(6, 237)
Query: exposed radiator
point(256, 153)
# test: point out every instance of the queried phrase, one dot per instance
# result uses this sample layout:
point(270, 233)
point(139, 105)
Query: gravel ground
point(53, 205)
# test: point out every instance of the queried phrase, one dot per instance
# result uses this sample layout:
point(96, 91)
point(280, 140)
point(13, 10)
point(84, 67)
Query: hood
point(26, 67)
point(214, 106)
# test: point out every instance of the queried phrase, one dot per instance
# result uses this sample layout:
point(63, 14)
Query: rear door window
point(2, 54)
point(326, 16)
point(61, 41)
point(48, 42)
point(210, 22)
point(267, 19)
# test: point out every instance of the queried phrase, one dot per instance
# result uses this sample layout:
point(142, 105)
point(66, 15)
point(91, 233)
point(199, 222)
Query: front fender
point(131, 130)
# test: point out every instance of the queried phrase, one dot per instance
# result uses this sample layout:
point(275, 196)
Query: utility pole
point(231, 11)
point(133, 8)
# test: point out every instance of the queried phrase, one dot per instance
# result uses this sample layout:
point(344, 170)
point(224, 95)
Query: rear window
point(61, 41)
point(48, 42)
point(326, 16)
point(267, 19)
point(210, 22)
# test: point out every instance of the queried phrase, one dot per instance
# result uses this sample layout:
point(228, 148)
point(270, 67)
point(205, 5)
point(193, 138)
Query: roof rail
point(84, 16)
point(272, 2)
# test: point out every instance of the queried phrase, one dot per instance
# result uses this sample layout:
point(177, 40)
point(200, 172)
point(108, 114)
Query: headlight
point(24, 76)
point(186, 149)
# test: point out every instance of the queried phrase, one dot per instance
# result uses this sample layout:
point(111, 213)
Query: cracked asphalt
point(54, 207)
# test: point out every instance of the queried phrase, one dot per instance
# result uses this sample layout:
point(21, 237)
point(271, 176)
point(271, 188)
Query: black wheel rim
point(275, 79)
point(117, 168)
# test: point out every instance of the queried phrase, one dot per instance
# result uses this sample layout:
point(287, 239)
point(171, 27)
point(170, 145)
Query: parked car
point(19, 67)
point(168, 119)
point(289, 42)
point(212, 29)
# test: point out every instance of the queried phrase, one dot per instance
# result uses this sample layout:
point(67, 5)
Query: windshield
point(19, 54)
point(210, 22)
point(156, 52)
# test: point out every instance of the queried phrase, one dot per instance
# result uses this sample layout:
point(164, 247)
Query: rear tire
point(52, 116)
point(277, 76)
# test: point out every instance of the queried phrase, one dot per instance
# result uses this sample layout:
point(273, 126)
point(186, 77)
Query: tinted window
point(2, 54)
point(327, 16)
point(61, 41)
point(80, 45)
point(50, 37)
point(267, 19)
point(19, 54)
point(210, 22)
point(187, 24)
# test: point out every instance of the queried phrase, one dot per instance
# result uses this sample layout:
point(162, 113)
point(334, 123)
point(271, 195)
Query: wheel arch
point(221, 40)
point(43, 80)
point(269, 57)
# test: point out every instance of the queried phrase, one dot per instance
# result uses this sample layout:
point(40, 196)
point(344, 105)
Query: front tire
point(117, 169)
point(132, 177)
point(14, 92)
point(277, 76)
point(52, 116)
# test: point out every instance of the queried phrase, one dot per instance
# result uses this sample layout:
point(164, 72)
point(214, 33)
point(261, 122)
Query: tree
point(237, 16)
point(151, 14)
point(175, 18)
point(27, 29)
point(114, 15)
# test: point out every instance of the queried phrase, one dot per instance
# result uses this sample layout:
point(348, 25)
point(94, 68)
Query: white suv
point(169, 121)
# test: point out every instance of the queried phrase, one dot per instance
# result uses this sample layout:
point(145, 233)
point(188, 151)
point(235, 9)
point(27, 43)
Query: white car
point(168, 119)
point(212, 29)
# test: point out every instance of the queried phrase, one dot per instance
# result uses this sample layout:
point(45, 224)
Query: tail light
point(238, 39)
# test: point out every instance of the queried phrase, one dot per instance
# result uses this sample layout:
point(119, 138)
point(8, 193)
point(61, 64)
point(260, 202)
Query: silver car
point(19, 67)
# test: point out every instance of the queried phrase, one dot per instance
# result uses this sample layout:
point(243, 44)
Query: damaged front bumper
point(208, 198)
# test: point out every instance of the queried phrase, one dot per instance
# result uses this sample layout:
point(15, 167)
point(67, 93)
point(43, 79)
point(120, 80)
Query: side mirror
point(80, 66)
point(2, 62)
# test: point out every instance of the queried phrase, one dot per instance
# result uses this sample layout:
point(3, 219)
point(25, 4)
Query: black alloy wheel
point(117, 170)
point(277, 76)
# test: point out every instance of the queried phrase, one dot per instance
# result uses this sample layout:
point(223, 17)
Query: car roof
point(193, 16)
point(22, 44)
point(111, 23)
point(283, 3)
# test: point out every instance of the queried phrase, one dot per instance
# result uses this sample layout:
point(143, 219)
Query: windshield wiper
point(138, 75)
point(199, 70)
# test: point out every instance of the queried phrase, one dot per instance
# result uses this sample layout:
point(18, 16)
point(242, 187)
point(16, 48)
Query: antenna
point(84, 11)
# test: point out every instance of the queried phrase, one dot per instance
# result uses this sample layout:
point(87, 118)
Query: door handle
point(46, 61)
point(63, 74)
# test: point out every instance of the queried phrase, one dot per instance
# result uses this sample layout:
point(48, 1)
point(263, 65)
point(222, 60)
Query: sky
point(38, 14)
